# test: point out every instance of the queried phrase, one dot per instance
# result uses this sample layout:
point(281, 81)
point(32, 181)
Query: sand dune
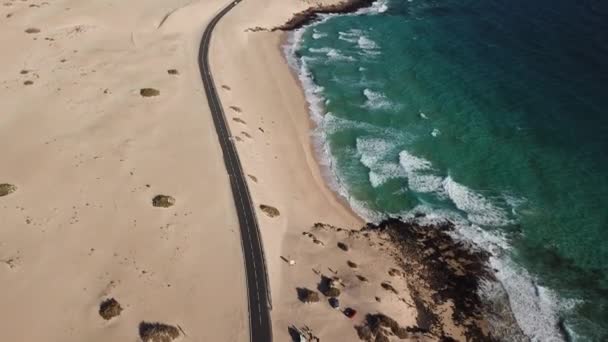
point(88, 154)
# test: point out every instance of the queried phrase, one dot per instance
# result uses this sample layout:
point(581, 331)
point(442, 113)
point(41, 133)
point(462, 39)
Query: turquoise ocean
point(490, 113)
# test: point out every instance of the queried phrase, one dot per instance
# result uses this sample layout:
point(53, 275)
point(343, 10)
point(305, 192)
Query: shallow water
point(493, 114)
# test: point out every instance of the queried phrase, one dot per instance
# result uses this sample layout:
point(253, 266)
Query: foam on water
point(366, 44)
point(479, 209)
point(376, 100)
point(419, 173)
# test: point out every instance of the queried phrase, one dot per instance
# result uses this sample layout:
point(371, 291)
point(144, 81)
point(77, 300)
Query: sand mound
point(6, 189)
point(163, 201)
point(270, 211)
point(157, 332)
point(109, 309)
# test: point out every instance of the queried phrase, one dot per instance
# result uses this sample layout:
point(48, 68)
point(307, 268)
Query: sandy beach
point(87, 149)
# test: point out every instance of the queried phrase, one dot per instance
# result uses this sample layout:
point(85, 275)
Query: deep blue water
point(494, 113)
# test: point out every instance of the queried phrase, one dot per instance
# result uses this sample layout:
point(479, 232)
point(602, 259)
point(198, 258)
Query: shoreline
point(477, 326)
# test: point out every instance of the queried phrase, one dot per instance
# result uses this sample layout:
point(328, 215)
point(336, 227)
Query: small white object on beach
point(292, 262)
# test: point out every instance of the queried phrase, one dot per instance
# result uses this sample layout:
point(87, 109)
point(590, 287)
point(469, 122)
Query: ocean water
point(491, 113)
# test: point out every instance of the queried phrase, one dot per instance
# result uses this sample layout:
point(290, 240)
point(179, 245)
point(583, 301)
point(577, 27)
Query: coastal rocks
point(447, 271)
point(149, 92)
point(157, 332)
point(307, 296)
point(109, 309)
point(7, 189)
point(312, 13)
point(377, 327)
point(269, 211)
point(163, 201)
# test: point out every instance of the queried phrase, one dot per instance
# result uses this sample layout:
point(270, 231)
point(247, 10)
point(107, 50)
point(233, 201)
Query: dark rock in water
point(7, 189)
point(157, 332)
point(163, 201)
point(311, 14)
point(109, 309)
point(149, 92)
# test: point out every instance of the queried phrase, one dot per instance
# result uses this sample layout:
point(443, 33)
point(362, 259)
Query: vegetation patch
point(163, 201)
point(157, 332)
point(149, 92)
point(7, 189)
point(270, 211)
point(109, 309)
point(32, 30)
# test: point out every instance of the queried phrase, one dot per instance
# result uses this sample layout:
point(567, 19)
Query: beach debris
point(7, 189)
point(307, 296)
point(343, 246)
point(172, 72)
point(389, 287)
point(32, 30)
point(157, 332)
point(109, 309)
point(303, 334)
point(292, 262)
point(351, 264)
point(270, 211)
point(149, 92)
point(163, 201)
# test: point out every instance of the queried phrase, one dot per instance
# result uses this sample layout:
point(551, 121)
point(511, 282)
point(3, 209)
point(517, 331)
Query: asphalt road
point(258, 292)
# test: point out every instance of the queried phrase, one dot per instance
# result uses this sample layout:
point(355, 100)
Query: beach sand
point(88, 153)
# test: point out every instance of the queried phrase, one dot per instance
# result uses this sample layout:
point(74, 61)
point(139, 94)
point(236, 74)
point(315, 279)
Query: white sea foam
point(420, 174)
point(377, 7)
point(366, 43)
point(375, 154)
point(436, 132)
point(422, 115)
point(351, 36)
point(316, 35)
point(479, 209)
point(376, 100)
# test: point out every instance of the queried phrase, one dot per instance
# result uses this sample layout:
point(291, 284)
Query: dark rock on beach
point(311, 14)
point(109, 308)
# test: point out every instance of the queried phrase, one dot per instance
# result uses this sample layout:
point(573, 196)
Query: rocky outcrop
point(311, 14)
